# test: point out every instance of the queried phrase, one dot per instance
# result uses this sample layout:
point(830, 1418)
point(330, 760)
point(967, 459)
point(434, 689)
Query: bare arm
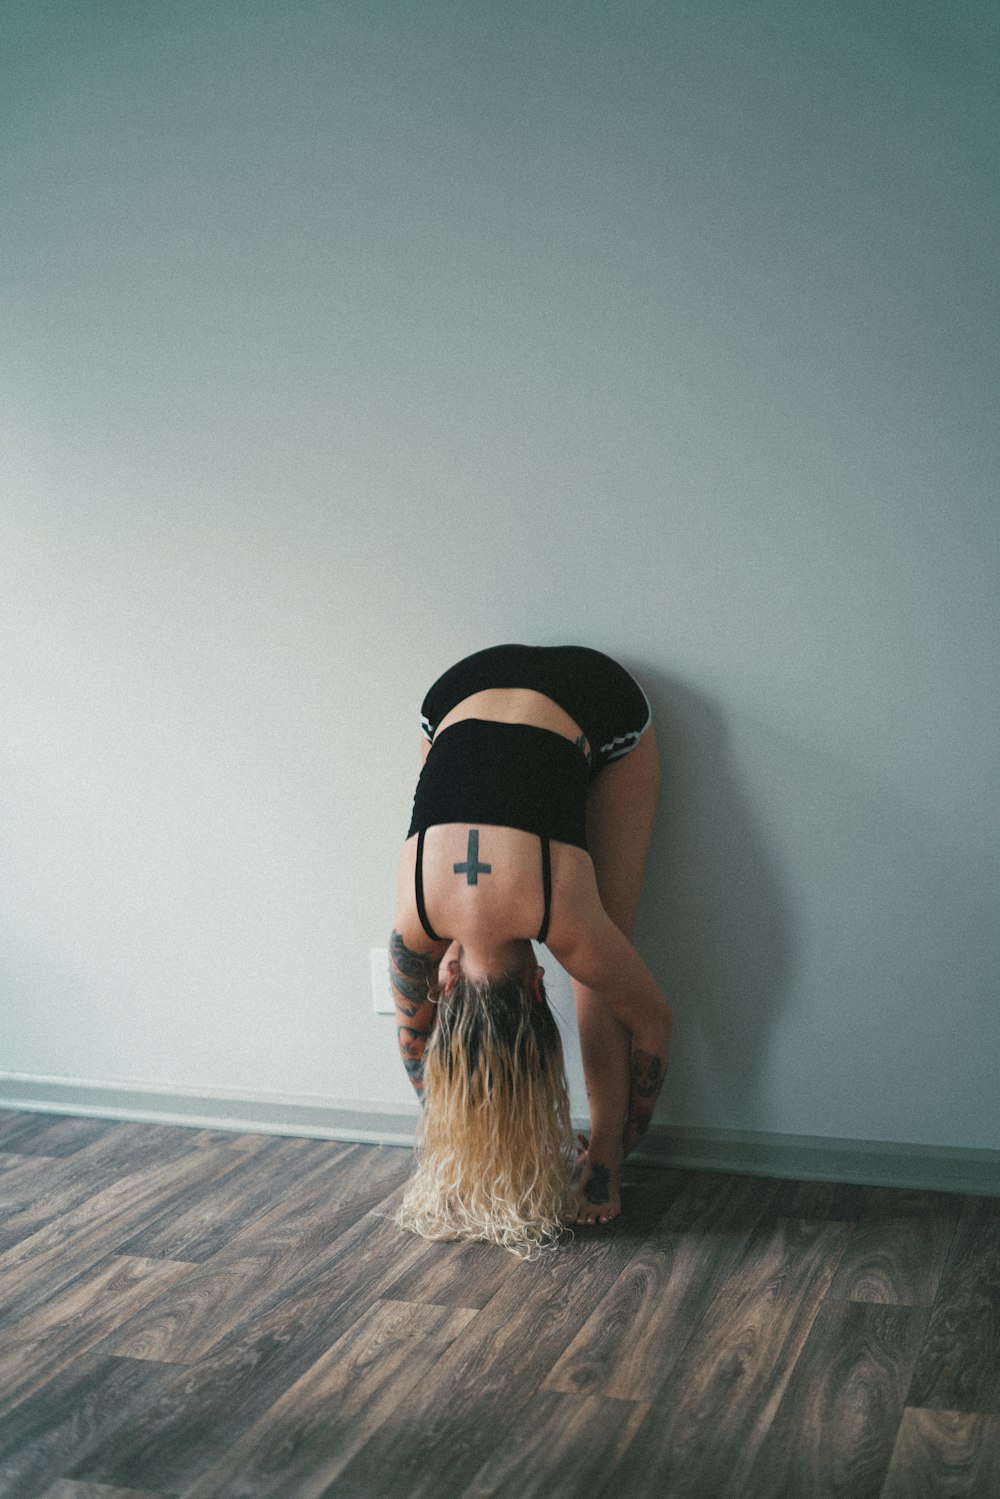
point(598, 955)
point(412, 976)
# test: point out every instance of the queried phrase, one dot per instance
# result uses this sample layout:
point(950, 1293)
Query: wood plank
point(28, 1180)
point(185, 1322)
point(50, 1430)
point(959, 1366)
point(39, 1344)
point(834, 1430)
point(204, 1410)
point(821, 1201)
point(633, 1338)
point(466, 1275)
point(251, 1140)
point(66, 1488)
point(264, 1260)
point(694, 1197)
point(898, 1249)
point(307, 1302)
point(43, 1187)
point(461, 1276)
point(215, 1210)
point(711, 1415)
point(471, 1274)
point(323, 1202)
point(40, 1189)
point(302, 1444)
point(33, 1268)
point(32, 1134)
point(647, 1193)
point(482, 1388)
point(132, 1146)
point(15, 1121)
point(945, 1455)
point(556, 1448)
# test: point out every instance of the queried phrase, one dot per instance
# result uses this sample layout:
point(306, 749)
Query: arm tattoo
point(412, 1046)
point(412, 1042)
point(646, 1080)
point(647, 1074)
point(412, 976)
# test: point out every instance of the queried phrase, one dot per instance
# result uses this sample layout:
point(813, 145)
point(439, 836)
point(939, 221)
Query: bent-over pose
point(531, 821)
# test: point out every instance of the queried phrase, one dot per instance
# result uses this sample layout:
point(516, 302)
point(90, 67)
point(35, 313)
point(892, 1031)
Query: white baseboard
point(258, 1113)
point(795, 1157)
point(869, 1163)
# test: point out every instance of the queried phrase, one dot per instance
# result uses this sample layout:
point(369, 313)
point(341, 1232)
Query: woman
point(531, 821)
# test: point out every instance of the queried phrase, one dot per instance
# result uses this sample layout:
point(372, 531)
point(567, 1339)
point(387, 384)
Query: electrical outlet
point(381, 990)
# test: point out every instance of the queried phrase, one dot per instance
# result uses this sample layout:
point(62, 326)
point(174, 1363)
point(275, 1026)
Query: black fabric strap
point(418, 890)
point(546, 888)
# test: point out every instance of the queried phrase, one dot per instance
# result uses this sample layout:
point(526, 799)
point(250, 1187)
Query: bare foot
point(598, 1193)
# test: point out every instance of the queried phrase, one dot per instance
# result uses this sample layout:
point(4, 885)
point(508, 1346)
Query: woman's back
point(499, 819)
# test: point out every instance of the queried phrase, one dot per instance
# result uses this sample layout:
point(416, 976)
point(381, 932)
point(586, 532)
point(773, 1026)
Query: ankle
point(609, 1149)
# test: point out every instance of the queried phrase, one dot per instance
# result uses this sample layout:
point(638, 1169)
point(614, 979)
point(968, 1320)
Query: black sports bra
point(504, 775)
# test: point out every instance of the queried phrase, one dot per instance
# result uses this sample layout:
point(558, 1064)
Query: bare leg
point(620, 812)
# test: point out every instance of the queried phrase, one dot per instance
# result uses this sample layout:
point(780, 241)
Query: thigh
point(621, 806)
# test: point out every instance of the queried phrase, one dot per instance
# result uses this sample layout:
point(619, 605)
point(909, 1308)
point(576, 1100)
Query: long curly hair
point(494, 1141)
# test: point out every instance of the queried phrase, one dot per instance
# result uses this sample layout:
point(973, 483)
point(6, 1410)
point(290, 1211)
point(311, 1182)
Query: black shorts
point(598, 694)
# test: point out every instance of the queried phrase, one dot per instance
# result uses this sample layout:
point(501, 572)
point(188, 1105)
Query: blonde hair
point(494, 1142)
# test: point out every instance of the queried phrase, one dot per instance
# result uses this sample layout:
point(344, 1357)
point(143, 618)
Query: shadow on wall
point(714, 924)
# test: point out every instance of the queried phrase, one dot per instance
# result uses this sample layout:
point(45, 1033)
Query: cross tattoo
point(472, 868)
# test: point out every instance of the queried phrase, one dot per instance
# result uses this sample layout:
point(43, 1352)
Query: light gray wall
point(340, 340)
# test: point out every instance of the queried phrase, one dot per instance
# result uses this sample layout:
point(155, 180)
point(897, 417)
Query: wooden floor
point(218, 1315)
